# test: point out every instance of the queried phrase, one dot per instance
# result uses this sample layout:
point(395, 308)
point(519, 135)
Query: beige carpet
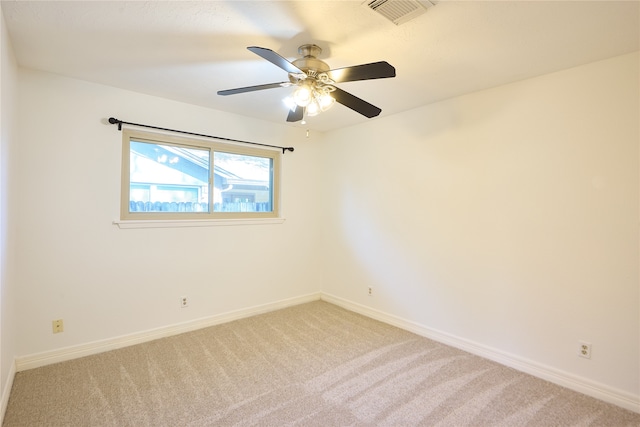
point(310, 365)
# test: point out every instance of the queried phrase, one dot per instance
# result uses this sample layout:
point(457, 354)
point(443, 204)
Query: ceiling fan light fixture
point(320, 102)
point(325, 101)
point(303, 95)
point(314, 97)
point(313, 109)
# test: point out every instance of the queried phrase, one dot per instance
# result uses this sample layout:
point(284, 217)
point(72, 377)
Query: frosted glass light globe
point(302, 96)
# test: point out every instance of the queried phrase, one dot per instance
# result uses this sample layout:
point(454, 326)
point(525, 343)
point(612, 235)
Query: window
point(167, 177)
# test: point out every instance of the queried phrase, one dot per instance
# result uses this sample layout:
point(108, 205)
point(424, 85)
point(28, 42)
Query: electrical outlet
point(184, 302)
point(370, 291)
point(58, 326)
point(584, 349)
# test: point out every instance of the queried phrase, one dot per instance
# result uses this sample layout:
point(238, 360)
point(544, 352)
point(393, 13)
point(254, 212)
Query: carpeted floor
point(310, 365)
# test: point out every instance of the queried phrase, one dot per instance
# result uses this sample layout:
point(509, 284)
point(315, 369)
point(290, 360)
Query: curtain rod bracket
point(113, 121)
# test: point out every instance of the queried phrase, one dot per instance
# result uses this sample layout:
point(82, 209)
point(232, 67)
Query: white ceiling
point(187, 51)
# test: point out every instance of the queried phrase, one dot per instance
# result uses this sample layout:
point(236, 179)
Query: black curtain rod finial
point(113, 121)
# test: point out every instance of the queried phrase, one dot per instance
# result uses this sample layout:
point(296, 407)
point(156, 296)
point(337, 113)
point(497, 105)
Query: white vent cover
point(398, 11)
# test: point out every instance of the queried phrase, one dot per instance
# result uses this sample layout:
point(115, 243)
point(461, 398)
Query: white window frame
point(191, 218)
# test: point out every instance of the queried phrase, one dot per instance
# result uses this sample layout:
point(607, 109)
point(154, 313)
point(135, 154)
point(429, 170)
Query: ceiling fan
point(315, 82)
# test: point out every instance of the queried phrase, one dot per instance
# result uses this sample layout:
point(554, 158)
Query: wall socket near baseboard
point(184, 301)
point(370, 291)
point(584, 349)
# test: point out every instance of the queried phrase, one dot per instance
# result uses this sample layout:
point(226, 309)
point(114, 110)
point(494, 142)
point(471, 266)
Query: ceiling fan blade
point(355, 103)
point(275, 59)
point(296, 115)
point(375, 70)
point(253, 88)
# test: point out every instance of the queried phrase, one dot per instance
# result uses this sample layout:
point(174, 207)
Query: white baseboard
point(68, 353)
point(582, 385)
point(565, 379)
point(6, 391)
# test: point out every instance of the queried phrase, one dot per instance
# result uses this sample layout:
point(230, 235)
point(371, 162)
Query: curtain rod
point(113, 121)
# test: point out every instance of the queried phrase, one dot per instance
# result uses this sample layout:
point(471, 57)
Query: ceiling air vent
point(399, 11)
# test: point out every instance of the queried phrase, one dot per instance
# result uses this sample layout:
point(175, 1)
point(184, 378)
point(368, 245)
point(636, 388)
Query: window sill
point(195, 222)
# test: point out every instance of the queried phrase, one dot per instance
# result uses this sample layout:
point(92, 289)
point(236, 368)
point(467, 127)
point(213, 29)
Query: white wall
point(107, 282)
point(506, 218)
point(8, 331)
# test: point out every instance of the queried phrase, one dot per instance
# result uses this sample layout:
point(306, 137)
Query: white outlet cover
point(584, 349)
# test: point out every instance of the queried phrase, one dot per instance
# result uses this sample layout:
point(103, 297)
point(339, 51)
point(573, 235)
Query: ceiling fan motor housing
point(309, 63)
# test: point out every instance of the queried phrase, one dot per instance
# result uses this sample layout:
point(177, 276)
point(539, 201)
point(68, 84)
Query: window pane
point(165, 178)
point(242, 183)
